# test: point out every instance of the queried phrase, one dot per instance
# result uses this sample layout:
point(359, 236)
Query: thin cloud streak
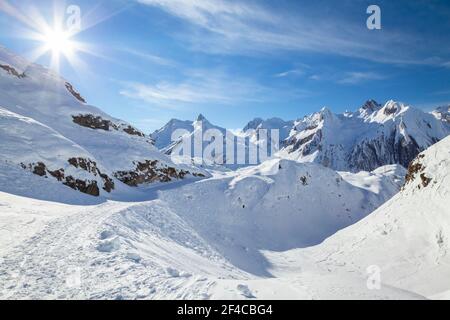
point(360, 77)
point(150, 57)
point(203, 87)
point(245, 27)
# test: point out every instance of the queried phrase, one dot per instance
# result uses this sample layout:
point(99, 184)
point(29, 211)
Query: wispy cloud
point(150, 57)
point(360, 77)
point(293, 72)
point(240, 27)
point(207, 87)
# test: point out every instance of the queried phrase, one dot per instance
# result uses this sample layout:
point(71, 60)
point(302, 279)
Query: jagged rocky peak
point(369, 107)
point(326, 114)
point(201, 117)
point(254, 124)
point(393, 108)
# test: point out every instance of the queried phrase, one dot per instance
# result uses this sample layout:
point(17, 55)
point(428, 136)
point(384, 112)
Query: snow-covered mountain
point(373, 136)
point(163, 137)
point(407, 239)
point(284, 127)
point(443, 113)
point(47, 127)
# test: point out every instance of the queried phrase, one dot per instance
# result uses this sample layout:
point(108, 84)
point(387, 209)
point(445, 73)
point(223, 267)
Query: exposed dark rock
point(201, 175)
point(92, 122)
point(76, 94)
point(98, 123)
point(371, 106)
point(85, 164)
point(149, 172)
point(12, 71)
point(108, 183)
point(40, 169)
point(415, 170)
point(58, 174)
point(304, 180)
point(134, 132)
point(308, 144)
point(91, 167)
point(372, 154)
point(88, 187)
point(425, 180)
point(390, 110)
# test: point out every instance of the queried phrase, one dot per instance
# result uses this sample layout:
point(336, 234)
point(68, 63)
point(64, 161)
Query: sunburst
point(52, 35)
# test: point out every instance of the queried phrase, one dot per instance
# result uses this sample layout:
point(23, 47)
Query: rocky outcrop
point(134, 132)
point(98, 123)
point(91, 167)
point(372, 154)
point(92, 122)
point(416, 171)
point(89, 187)
point(75, 93)
point(150, 172)
point(12, 71)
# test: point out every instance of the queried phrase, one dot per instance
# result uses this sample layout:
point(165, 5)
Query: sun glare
point(58, 42)
point(56, 36)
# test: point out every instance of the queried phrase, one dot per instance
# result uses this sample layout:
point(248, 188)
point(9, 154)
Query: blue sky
point(153, 60)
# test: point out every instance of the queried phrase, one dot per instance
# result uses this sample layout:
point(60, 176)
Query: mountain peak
point(254, 124)
point(201, 117)
point(393, 108)
point(371, 105)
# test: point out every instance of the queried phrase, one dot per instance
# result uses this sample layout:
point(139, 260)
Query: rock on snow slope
point(47, 128)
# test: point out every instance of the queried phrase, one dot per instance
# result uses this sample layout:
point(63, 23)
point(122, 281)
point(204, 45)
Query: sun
point(57, 36)
point(58, 42)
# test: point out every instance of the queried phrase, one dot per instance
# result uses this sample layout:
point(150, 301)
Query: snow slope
point(407, 238)
point(47, 127)
point(198, 240)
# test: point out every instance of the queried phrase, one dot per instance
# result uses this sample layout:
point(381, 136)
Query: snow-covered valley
point(187, 242)
point(90, 208)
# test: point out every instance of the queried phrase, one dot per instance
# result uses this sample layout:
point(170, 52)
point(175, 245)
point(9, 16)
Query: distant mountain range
point(375, 135)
